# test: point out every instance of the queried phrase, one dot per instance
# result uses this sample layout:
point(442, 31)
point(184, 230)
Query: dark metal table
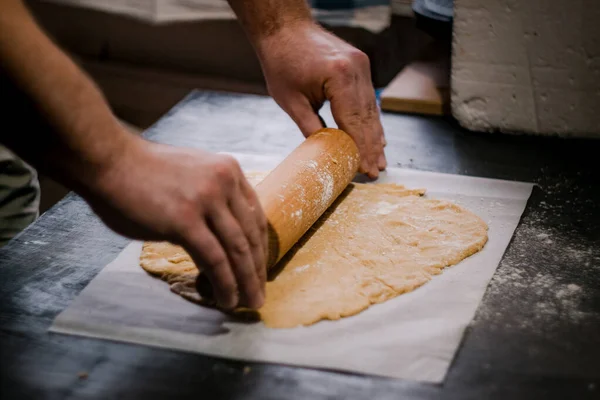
point(536, 333)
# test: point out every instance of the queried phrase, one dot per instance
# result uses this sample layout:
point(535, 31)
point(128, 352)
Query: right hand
point(197, 199)
point(304, 65)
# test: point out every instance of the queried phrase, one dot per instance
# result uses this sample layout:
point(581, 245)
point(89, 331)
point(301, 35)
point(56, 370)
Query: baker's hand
point(304, 65)
point(199, 200)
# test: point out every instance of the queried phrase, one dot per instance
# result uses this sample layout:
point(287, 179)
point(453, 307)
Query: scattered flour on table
point(38, 242)
point(547, 295)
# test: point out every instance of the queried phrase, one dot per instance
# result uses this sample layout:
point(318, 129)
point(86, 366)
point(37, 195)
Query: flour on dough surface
point(376, 242)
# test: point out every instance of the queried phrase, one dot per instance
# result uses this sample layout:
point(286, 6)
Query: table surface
point(536, 333)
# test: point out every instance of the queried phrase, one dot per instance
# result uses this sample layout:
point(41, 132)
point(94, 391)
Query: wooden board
point(423, 87)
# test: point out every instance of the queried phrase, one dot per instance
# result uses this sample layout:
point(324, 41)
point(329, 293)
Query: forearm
point(264, 18)
point(83, 135)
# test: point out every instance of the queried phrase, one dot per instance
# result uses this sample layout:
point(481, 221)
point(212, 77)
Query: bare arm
point(304, 65)
point(85, 136)
point(140, 189)
point(265, 18)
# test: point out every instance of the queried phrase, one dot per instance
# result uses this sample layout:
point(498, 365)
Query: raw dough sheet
point(413, 336)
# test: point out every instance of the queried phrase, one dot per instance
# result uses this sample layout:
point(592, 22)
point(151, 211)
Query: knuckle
point(359, 57)
point(209, 190)
point(355, 115)
point(371, 110)
point(223, 173)
point(231, 163)
point(205, 198)
point(186, 220)
point(225, 169)
point(354, 119)
point(259, 215)
point(240, 246)
point(342, 66)
point(252, 234)
point(217, 260)
point(369, 121)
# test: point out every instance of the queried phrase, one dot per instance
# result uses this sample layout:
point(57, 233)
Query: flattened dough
point(376, 242)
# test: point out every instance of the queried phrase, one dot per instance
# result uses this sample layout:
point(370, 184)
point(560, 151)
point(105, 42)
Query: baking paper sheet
point(413, 336)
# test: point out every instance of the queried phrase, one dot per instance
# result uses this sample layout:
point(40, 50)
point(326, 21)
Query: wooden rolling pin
point(300, 189)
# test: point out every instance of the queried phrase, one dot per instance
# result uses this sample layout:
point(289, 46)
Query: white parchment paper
point(413, 336)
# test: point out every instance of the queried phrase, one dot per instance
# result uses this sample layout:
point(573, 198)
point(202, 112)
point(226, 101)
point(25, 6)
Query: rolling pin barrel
point(300, 189)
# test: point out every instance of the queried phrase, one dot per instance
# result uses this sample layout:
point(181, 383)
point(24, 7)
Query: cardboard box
point(527, 66)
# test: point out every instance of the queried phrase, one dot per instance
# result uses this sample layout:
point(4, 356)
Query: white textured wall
point(527, 66)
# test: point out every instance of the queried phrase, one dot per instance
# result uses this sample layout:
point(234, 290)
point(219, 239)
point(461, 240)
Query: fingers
point(369, 139)
point(240, 227)
point(382, 160)
point(359, 118)
point(255, 229)
point(304, 115)
point(382, 164)
point(238, 249)
point(349, 116)
point(228, 239)
point(354, 108)
point(206, 250)
point(372, 127)
point(372, 121)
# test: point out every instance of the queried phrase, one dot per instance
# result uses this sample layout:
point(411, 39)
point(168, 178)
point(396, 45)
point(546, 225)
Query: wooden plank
point(423, 87)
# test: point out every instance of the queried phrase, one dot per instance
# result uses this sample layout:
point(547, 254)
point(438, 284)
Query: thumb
point(303, 114)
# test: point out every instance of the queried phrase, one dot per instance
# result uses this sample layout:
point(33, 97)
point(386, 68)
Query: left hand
point(304, 65)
